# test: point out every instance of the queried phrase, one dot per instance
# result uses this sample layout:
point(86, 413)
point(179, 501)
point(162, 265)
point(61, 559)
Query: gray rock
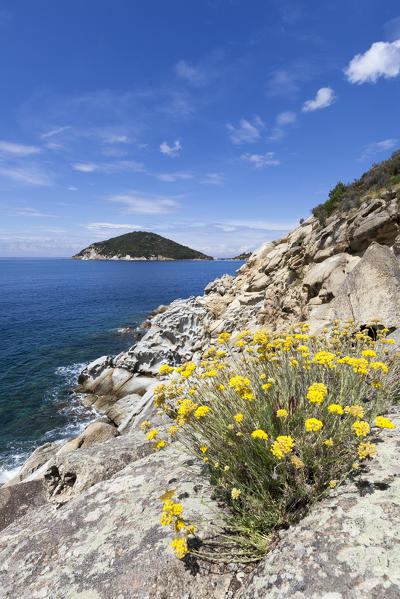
point(36, 460)
point(18, 500)
point(172, 338)
point(107, 543)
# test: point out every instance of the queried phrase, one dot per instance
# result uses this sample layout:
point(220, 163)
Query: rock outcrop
point(83, 521)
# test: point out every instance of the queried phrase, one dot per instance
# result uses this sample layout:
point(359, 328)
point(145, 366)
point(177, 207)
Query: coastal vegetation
point(142, 244)
point(278, 421)
point(346, 197)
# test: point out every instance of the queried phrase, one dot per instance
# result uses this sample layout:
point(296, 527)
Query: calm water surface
point(56, 315)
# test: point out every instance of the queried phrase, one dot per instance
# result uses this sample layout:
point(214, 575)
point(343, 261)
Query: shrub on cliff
point(346, 197)
point(278, 422)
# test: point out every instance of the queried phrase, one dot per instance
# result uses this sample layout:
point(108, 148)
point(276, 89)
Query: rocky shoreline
point(81, 520)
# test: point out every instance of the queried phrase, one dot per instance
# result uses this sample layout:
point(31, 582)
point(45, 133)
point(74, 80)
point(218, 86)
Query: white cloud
point(193, 75)
point(101, 226)
point(260, 160)
point(140, 204)
point(212, 179)
point(171, 151)
point(85, 167)
point(377, 147)
point(33, 212)
point(286, 118)
point(72, 188)
point(53, 132)
point(172, 177)
point(26, 175)
point(381, 60)
point(324, 98)
point(7, 147)
point(246, 131)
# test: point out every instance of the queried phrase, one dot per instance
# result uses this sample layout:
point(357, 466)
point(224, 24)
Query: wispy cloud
point(212, 179)
point(138, 203)
point(260, 160)
point(33, 212)
point(325, 97)
point(376, 147)
point(7, 147)
point(381, 60)
point(55, 131)
point(260, 224)
point(172, 177)
point(84, 167)
point(392, 29)
point(109, 167)
point(26, 175)
point(171, 151)
point(108, 226)
point(283, 120)
point(194, 75)
point(246, 131)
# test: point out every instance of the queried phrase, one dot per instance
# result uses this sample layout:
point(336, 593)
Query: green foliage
point(142, 244)
point(347, 197)
point(279, 420)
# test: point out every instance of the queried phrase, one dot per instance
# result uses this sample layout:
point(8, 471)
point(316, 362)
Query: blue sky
point(217, 123)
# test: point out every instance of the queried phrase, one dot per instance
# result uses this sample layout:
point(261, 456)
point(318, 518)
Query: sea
point(56, 316)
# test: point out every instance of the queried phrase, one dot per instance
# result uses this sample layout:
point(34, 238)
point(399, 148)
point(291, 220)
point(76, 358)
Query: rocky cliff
point(81, 521)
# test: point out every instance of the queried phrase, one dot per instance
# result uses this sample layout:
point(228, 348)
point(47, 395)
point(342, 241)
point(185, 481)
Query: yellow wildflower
point(201, 411)
point(296, 462)
point(329, 442)
point(165, 369)
point(191, 529)
point(180, 547)
point(145, 425)
point(281, 414)
point(172, 430)
point(361, 428)
point(221, 387)
point(355, 411)
point(235, 493)
point(317, 392)
point(259, 434)
point(335, 409)
point(384, 422)
point(203, 448)
point(152, 434)
point(379, 366)
point(313, 424)
point(238, 417)
point(158, 445)
point(369, 353)
point(226, 468)
point(366, 450)
point(282, 446)
point(332, 484)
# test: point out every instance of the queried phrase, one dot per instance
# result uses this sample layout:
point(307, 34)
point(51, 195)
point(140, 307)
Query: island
point(139, 245)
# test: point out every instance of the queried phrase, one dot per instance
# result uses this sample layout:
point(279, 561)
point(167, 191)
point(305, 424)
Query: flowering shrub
point(278, 421)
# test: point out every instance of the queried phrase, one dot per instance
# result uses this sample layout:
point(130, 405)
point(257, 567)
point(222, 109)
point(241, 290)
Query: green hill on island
point(139, 245)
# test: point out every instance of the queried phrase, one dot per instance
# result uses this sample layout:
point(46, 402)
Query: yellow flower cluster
point(313, 424)
point(186, 408)
point(335, 408)
point(384, 422)
point(282, 413)
point(202, 411)
point(355, 411)
point(316, 393)
point(282, 446)
point(172, 516)
point(241, 385)
point(361, 428)
point(259, 434)
point(366, 450)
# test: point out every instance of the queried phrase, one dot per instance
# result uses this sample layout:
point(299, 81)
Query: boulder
point(94, 433)
point(108, 543)
point(36, 460)
point(172, 338)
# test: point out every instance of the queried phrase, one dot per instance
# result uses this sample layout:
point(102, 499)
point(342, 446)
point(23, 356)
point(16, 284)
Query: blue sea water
point(56, 315)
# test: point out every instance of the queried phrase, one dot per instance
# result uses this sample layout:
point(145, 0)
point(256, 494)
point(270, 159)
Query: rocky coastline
point(81, 520)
